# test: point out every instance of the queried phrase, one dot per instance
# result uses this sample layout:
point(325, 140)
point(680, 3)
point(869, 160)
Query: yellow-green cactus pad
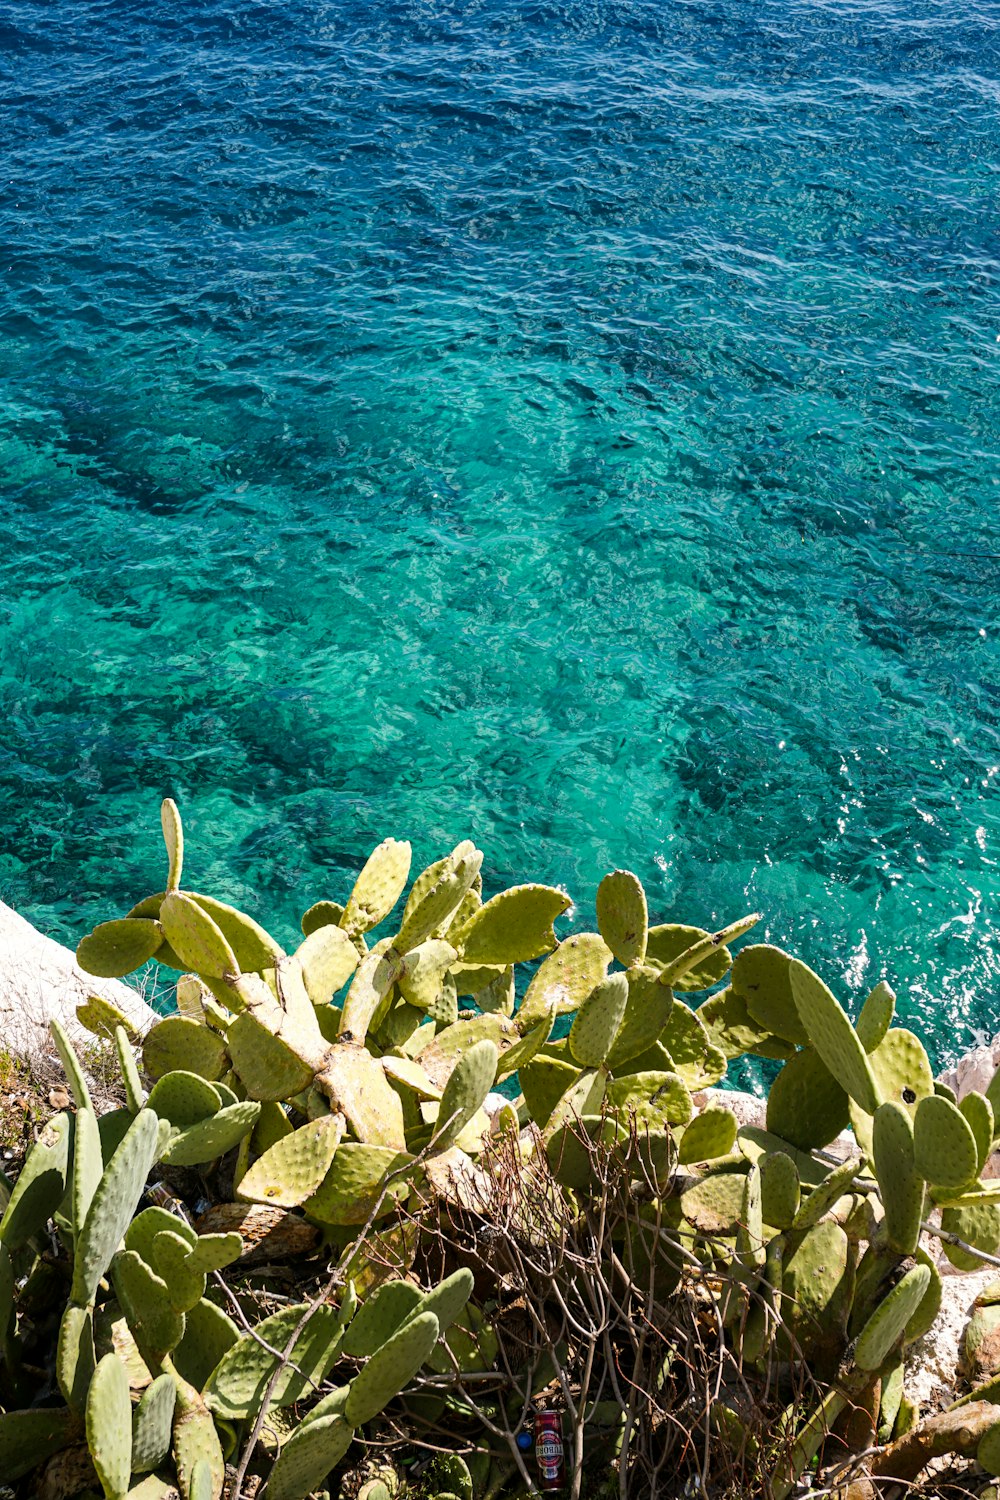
point(195, 937)
point(730, 1025)
point(597, 1021)
point(834, 1038)
point(119, 947)
point(314, 1448)
point(434, 902)
point(565, 979)
point(647, 1012)
point(425, 974)
point(979, 1226)
point(806, 1104)
point(378, 887)
point(295, 1166)
point(113, 1205)
point(173, 838)
point(441, 1052)
point(208, 1333)
point(183, 1098)
point(754, 1143)
point(238, 1382)
point(372, 983)
point(682, 972)
point(198, 1457)
point(109, 1426)
point(321, 914)
point(152, 1425)
point(470, 1081)
point(762, 975)
point(328, 959)
point(268, 1067)
point(876, 1016)
point(654, 1099)
point(903, 1075)
point(823, 1197)
point(884, 1329)
point(513, 927)
point(901, 1184)
point(665, 945)
point(780, 1190)
point(978, 1113)
point(408, 1073)
point(927, 1311)
point(818, 1290)
point(583, 1097)
point(693, 1056)
point(716, 1204)
point(544, 1081)
point(944, 1146)
point(207, 1139)
point(352, 1186)
point(711, 1134)
point(622, 916)
point(178, 1043)
point(527, 1048)
point(29, 1437)
point(499, 995)
point(568, 1152)
point(101, 1017)
point(384, 1311)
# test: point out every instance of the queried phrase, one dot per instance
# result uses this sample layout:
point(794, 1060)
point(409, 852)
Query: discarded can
point(550, 1456)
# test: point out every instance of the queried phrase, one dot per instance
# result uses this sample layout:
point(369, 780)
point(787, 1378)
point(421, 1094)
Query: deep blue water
point(575, 426)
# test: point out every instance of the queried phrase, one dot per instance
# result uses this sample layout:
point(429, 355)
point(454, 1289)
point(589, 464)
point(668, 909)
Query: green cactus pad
point(328, 959)
point(154, 1321)
point(806, 1104)
point(370, 989)
point(762, 975)
point(654, 1099)
point(308, 1456)
point(378, 887)
point(295, 1166)
point(927, 1311)
point(818, 1291)
point(433, 904)
point(109, 1426)
point(391, 1368)
point(237, 1384)
point(823, 1197)
point(754, 1143)
point(945, 1151)
point(565, 979)
point(268, 1067)
point(196, 1447)
point(152, 1425)
point(117, 948)
point(716, 1204)
point(694, 1058)
point(567, 1148)
point(513, 927)
point(903, 1075)
point(647, 1012)
point(526, 1049)
point(544, 1081)
point(884, 1329)
point(834, 1038)
point(321, 914)
point(712, 1133)
point(208, 1333)
point(729, 1024)
point(75, 1356)
point(180, 1044)
point(751, 1243)
point(447, 1300)
point(979, 1226)
point(351, 1187)
point(665, 945)
point(902, 1186)
point(134, 1093)
point(988, 1451)
point(207, 1139)
point(584, 1097)
point(27, 1438)
point(88, 1164)
point(255, 949)
point(425, 973)
point(978, 1114)
point(440, 1053)
point(195, 938)
point(470, 1081)
point(114, 1204)
point(876, 1016)
point(183, 1098)
point(622, 916)
point(185, 1283)
point(111, 1128)
point(780, 1190)
point(173, 838)
point(680, 972)
point(597, 1021)
point(144, 1228)
point(100, 1017)
point(379, 1316)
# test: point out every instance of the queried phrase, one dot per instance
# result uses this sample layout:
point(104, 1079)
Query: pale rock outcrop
point(41, 980)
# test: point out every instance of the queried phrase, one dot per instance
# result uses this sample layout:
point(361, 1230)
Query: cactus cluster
point(354, 1071)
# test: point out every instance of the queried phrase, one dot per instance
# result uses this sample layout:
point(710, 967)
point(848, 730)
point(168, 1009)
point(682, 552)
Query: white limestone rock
point(41, 980)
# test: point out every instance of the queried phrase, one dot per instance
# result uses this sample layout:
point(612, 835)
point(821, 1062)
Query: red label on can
point(549, 1454)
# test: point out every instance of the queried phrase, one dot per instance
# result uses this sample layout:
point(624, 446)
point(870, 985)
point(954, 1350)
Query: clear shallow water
point(572, 426)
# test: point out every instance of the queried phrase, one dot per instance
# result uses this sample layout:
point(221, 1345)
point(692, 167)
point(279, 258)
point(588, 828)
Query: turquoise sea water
point(570, 425)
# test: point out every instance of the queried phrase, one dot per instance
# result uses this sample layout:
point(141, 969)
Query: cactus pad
point(647, 1011)
point(622, 916)
point(321, 914)
point(833, 1037)
point(433, 904)
point(979, 1226)
point(328, 959)
point(268, 1067)
point(901, 1185)
point(762, 975)
point(565, 979)
point(826, 1193)
point(355, 1083)
point(978, 1113)
point(425, 973)
point(712, 1133)
point(113, 1205)
point(470, 1081)
point(876, 1016)
point(109, 1426)
point(716, 1204)
point(653, 1099)
point(241, 1376)
point(818, 1290)
point(180, 1044)
point(379, 1316)
point(944, 1146)
point(597, 1021)
point(293, 1168)
point(369, 991)
point(117, 948)
point(183, 1098)
point(513, 927)
point(780, 1191)
point(885, 1328)
point(391, 1368)
point(377, 888)
point(349, 1191)
point(152, 1425)
point(100, 1017)
point(195, 938)
point(208, 1333)
point(692, 1054)
point(806, 1104)
point(666, 943)
point(41, 1185)
point(729, 1024)
point(314, 1448)
point(207, 1139)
